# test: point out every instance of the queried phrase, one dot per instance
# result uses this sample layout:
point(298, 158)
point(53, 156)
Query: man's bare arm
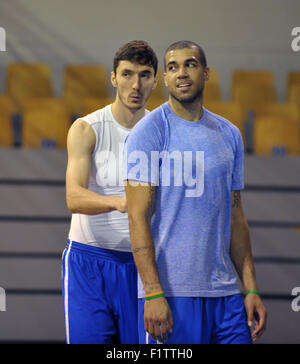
point(241, 256)
point(80, 145)
point(157, 314)
point(140, 202)
point(240, 248)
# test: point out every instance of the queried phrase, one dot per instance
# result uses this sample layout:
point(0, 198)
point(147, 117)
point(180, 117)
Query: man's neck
point(125, 116)
point(188, 111)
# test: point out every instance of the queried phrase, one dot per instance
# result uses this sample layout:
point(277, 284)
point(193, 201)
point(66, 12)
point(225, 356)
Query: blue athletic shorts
point(99, 295)
point(199, 320)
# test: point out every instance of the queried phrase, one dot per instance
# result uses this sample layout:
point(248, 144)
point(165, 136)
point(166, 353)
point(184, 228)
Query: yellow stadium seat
point(52, 104)
point(160, 90)
point(154, 102)
point(294, 95)
point(6, 134)
point(7, 104)
point(45, 128)
point(283, 110)
point(158, 95)
point(293, 79)
point(252, 76)
point(91, 104)
point(252, 97)
point(271, 132)
point(214, 75)
point(81, 81)
point(25, 80)
point(212, 90)
point(212, 93)
point(252, 88)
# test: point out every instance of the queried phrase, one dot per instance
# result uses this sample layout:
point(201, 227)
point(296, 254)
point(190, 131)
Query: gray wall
point(234, 33)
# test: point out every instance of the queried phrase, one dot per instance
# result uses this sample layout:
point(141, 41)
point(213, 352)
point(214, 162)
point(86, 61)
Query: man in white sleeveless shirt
point(99, 274)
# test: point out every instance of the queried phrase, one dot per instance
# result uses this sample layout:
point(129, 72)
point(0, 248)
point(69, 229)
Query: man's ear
point(206, 73)
point(155, 82)
point(165, 79)
point(113, 79)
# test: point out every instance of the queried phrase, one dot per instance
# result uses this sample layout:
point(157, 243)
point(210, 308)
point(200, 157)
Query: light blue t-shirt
point(194, 165)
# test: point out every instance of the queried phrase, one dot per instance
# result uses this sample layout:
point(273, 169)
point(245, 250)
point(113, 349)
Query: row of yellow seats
point(255, 90)
point(49, 128)
point(250, 88)
point(44, 121)
point(39, 128)
point(27, 80)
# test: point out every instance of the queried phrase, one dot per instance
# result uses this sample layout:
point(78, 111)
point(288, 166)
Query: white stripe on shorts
point(66, 301)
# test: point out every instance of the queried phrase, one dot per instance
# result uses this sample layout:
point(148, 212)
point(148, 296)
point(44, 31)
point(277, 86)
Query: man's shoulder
point(223, 123)
point(98, 116)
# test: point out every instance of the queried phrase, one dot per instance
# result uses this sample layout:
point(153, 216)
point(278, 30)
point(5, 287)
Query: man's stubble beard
point(197, 96)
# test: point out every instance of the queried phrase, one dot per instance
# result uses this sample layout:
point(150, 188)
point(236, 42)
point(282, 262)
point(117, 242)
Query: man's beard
point(189, 99)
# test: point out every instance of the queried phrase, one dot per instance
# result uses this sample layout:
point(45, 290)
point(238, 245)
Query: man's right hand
point(158, 318)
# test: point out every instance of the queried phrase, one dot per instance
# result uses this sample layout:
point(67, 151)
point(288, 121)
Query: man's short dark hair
point(137, 51)
point(188, 44)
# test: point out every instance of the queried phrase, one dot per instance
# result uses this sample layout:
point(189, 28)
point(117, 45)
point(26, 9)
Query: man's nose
point(136, 83)
point(182, 73)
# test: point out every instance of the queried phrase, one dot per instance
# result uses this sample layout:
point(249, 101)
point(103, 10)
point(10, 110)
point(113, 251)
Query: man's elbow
point(71, 203)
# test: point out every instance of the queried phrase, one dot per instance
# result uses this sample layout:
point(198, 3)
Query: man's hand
point(158, 318)
point(256, 311)
point(121, 203)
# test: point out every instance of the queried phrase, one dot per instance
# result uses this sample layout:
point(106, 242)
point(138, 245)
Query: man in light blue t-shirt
point(184, 170)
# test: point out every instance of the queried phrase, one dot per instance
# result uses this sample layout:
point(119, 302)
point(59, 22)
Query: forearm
point(84, 201)
point(144, 253)
point(241, 254)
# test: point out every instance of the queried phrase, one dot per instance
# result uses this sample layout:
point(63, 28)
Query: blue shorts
point(199, 320)
point(100, 295)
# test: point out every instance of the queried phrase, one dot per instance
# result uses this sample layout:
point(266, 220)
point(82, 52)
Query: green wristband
point(252, 291)
point(154, 296)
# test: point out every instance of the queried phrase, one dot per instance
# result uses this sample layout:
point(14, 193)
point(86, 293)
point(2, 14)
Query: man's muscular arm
point(80, 145)
point(241, 256)
point(157, 317)
point(140, 199)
